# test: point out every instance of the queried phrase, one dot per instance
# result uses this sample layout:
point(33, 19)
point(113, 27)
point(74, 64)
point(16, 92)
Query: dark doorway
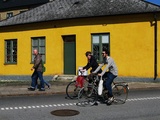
point(69, 54)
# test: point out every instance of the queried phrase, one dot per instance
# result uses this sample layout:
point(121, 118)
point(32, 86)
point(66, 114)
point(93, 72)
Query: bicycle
point(89, 96)
point(74, 86)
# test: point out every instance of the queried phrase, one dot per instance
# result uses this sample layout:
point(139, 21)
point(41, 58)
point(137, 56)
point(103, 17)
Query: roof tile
point(67, 9)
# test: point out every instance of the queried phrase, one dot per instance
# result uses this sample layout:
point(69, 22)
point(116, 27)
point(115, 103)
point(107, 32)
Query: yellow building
point(63, 32)
point(10, 8)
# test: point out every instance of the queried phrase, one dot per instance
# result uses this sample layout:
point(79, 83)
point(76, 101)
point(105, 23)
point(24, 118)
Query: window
point(11, 51)
point(10, 14)
point(99, 41)
point(39, 44)
point(23, 11)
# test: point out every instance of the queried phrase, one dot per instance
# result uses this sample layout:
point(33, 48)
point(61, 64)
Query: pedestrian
point(45, 82)
point(38, 72)
point(110, 75)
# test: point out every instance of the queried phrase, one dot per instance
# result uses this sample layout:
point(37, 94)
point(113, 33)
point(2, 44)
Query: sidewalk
point(59, 87)
point(21, 89)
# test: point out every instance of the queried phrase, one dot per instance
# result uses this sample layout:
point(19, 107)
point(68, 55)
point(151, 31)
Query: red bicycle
point(74, 86)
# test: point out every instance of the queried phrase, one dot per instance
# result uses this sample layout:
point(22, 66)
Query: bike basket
point(79, 81)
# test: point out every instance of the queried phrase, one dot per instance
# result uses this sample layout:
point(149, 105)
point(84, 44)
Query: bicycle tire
point(120, 93)
point(86, 98)
point(72, 90)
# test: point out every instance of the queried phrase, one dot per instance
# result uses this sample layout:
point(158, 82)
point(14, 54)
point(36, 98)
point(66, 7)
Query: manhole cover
point(65, 112)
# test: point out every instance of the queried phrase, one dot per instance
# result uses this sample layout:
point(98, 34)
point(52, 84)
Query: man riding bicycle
point(109, 75)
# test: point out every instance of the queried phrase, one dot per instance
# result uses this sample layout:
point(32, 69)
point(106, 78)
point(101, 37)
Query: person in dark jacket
point(92, 63)
point(38, 72)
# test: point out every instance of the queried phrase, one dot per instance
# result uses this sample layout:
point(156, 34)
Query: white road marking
point(67, 104)
point(55, 105)
point(29, 106)
point(38, 106)
point(148, 98)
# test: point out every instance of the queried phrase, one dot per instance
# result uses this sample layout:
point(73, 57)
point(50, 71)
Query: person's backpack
point(43, 67)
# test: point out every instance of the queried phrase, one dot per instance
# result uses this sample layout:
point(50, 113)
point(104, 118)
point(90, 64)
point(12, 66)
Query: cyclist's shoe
point(93, 103)
point(110, 100)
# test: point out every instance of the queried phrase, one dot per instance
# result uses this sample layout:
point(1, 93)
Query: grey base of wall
point(70, 77)
point(17, 77)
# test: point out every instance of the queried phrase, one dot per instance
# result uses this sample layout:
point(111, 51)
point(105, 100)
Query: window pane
point(105, 46)
point(14, 51)
point(34, 47)
point(42, 42)
point(8, 58)
point(10, 14)
point(8, 47)
point(35, 42)
point(41, 50)
point(95, 39)
point(105, 39)
point(105, 42)
point(14, 58)
point(38, 43)
point(43, 57)
point(32, 57)
point(11, 51)
point(96, 51)
point(99, 41)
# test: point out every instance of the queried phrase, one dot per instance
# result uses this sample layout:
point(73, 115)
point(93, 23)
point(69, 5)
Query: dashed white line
point(38, 106)
point(66, 104)
point(148, 98)
point(29, 107)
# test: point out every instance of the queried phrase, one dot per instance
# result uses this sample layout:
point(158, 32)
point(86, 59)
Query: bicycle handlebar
point(82, 72)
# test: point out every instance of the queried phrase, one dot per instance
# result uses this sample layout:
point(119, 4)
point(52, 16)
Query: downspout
point(155, 47)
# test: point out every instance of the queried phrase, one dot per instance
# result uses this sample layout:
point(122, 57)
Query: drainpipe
point(155, 47)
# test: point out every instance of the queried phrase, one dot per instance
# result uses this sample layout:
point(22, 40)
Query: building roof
point(68, 9)
point(14, 4)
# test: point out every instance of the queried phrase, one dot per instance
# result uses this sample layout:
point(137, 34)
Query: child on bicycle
point(108, 76)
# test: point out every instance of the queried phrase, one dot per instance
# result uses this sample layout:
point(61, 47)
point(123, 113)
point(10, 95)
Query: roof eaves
point(59, 10)
point(79, 18)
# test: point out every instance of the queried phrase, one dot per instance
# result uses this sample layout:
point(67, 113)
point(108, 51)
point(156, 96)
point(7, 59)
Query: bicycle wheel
point(87, 97)
point(120, 93)
point(72, 90)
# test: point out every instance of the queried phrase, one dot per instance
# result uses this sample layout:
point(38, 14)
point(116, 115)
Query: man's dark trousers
point(35, 76)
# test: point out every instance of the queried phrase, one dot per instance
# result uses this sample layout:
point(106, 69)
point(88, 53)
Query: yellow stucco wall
point(131, 43)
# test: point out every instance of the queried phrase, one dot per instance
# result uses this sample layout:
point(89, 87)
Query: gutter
point(155, 46)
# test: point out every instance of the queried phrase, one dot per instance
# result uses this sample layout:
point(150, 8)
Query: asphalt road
point(141, 105)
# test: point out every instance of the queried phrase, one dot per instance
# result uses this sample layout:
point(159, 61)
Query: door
point(69, 54)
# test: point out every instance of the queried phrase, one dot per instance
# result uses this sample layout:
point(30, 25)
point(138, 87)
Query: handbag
point(100, 87)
